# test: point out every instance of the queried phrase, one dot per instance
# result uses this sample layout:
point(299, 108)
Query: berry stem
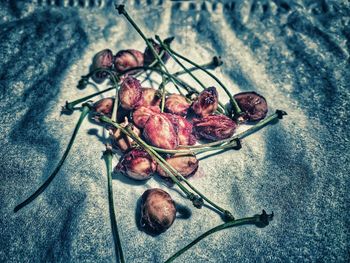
point(216, 62)
point(258, 220)
point(108, 155)
point(184, 68)
point(270, 119)
point(173, 173)
point(236, 108)
point(84, 113)
point(69, 107)
point(147, 149)
point(121, 10)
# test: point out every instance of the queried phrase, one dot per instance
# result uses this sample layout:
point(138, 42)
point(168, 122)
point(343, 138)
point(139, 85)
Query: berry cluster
point(162, 132)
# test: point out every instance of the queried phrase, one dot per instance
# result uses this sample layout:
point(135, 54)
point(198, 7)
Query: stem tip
point(120, 8)
point(280, 114)
point(227, 216)
point(264, 219)
point(217, 61)
point(238, 144)
point(197, 201)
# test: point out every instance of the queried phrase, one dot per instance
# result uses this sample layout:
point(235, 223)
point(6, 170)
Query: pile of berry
point(161, 133)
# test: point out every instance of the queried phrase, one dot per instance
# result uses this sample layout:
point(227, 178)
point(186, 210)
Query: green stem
point(115, 106)
point(162, 88)
point(234, 103)
point(147, 149)
point(169, 169)
point(277, 115)
point(121, 10)
point(70, 105)
point(216, 62)
point(161, 72)
point(258, 220)
point(198, 150)
point(225, 212)
point(188, 71)
point(178, 62)
point(84, 113)
point(117, 243)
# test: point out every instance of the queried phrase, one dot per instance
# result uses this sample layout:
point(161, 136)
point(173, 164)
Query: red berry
point(159, 131)
point(214, 127)
point(206, 103)
point(130, 93)
point(136, 164)
point(253, 105)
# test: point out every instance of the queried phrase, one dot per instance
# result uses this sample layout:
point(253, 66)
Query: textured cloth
point(294, 53)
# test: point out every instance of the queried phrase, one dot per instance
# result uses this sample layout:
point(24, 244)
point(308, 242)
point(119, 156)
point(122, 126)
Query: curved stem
point(117, 243)
point(147, 149)
point(179, 175)
point(84, 113)
point(187, 71)
point(198, 150)
point(122, 10)
point(216, 62)
point(277, 115)
point(234, 103)
point(258, 220)
point(70, 105)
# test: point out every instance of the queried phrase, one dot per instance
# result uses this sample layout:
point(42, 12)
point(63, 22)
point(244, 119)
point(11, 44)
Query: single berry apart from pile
point(158, 211)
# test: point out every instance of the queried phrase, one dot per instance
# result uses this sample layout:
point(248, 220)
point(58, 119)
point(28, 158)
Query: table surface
point(295, 54)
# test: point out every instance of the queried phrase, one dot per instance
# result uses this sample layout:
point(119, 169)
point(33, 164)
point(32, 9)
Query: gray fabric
point(296, 54)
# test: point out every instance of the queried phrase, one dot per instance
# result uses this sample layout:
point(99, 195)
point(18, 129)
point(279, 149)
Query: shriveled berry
point(130, 93)
point(214, 127)
point(136, 164)
point(253, 105)
point(150, 97)
point(149, 57)
point(177, 104)
point(103, 60)
point(141, 115)
point(158, 211)
point(104, 106)
point(126, 59)
point(120, 140)
point(186, 165)
point(183, 128)
point(206, 103)
point(160, 132)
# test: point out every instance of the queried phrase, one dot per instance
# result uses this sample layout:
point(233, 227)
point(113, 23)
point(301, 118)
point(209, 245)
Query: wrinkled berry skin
point(150, 97)
point(122, 141)
point(253, 105)
point(130, 93)
point(149, 57)
point(206, 103)
point(103, 59)
point(160, 132)
point(142, 114)
point(104, 106)
point(177, 104)
point(186, 165)
point(158, 211)
point(183, 128)
point(185, 133)
point(126, 59)
point(137, 164)
point(214, 127)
